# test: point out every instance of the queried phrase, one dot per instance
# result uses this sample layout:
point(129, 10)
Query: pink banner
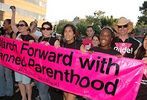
point(96, 76)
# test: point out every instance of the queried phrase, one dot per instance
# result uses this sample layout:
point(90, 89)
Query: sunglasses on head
point(46, 28)
point(123, 26)
point(21, 25)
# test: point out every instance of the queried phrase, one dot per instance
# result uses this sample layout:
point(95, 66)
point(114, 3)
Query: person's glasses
point(46, 28)
point(123, 26)
point(21, 25)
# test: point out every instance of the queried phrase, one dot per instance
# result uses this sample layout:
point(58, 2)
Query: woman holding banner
point(45, 39)
point(22, 33)
point(106, 36)
point(142, 54)
point(69, 33)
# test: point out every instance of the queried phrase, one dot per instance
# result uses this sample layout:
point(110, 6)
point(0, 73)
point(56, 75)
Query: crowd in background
point(106, 41)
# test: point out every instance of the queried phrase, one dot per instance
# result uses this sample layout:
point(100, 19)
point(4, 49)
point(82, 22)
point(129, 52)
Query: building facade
point(27, 10)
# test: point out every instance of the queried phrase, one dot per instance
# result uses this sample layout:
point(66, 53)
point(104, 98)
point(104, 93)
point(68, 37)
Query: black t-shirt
point(4, 33)
point(51, 40)
point(74, 45)
point(109, 51)
point(10, 34)
point(1, 31)
point(142, 92)
point(26, 37)
point(126, 48)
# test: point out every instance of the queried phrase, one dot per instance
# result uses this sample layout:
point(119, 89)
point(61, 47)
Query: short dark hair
point(90, 27)
point(95, 35)
point(108, 29)
point(26, 24)
point(8, 20)
point(47, 23)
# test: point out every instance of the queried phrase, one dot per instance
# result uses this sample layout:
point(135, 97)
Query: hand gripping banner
point(96, 76)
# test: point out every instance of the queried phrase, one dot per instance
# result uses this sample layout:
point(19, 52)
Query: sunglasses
point(21, 25)
point(46, 28)
point(123, 26)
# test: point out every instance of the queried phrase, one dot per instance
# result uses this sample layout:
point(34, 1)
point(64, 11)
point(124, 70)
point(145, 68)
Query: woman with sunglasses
point(22, 33)
point(142, 55)
point(45, 39)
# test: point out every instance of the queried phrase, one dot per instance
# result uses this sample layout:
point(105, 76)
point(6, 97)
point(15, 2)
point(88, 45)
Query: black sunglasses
point(46, 28)
point(123, 26)
point(21, 25)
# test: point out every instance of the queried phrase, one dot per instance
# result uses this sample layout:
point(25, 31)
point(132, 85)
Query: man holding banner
point(124, 44)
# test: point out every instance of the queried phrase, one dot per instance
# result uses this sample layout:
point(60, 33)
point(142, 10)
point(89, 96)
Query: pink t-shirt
point(87, 43)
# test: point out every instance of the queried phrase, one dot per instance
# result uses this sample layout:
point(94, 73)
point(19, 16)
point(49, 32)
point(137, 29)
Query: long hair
point(141, 51)
point(72, 27)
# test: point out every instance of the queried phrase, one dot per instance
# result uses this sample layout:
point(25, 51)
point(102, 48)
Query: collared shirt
point(128, 48)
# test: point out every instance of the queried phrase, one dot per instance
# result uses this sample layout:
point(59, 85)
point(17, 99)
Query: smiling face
point(105, 38)
point(123, 29)
point(46, 30)
point(22, 27)
point(95, 41)
point(69, 34)
point(90, 32)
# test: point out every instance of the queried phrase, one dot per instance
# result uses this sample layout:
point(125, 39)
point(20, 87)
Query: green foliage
point(98, 20)
point(60, 25)
point(142, 20)
point(141, 25)
point(107, 21)
point(97, 28)
point(81, 27)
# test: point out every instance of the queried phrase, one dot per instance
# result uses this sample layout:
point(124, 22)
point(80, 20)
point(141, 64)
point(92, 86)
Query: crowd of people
point(120, 44)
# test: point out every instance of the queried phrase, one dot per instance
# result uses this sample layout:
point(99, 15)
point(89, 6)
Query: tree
point(108, 21)
point(98, 20)
point(95, 20)
point(60, 25)
point(81, 26)
point(141, 26)
point(143, 18)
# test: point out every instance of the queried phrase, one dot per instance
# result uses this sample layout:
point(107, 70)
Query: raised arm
point(13, 24)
